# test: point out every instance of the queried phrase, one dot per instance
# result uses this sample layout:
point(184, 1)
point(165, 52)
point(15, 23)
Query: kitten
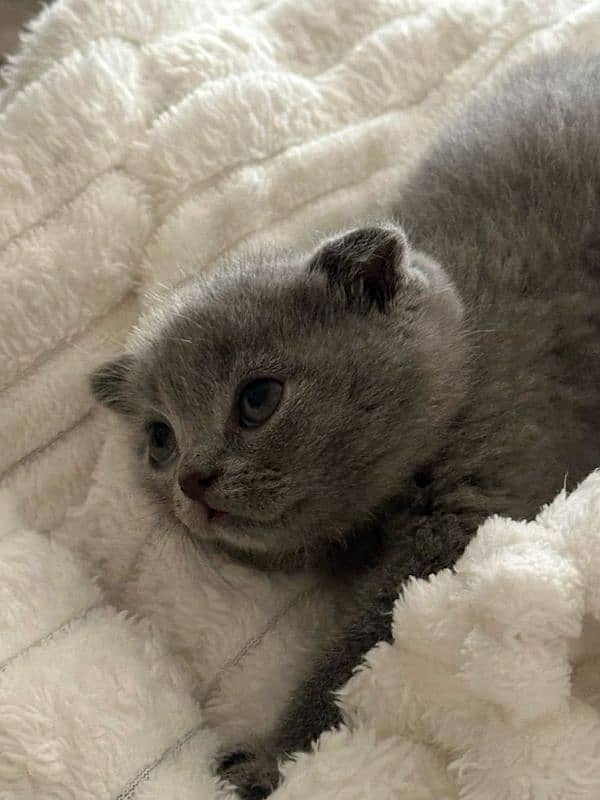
point(362, 408)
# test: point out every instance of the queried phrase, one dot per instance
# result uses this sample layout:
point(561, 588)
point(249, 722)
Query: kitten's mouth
point(201, 516)
point(214, 513)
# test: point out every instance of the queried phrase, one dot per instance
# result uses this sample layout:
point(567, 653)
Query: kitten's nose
point(194, 484)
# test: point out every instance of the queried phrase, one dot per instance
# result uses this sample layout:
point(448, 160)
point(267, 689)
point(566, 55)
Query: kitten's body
point(475, 390)
point(509, 202)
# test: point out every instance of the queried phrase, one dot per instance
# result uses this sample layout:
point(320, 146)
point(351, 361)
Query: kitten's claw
point(254, 776)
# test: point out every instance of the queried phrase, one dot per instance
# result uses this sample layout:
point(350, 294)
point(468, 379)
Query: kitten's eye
point(258, 401)
point(161, 442)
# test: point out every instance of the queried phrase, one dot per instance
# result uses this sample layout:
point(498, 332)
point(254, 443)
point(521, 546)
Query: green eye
point(161, 443)
point(259, 401)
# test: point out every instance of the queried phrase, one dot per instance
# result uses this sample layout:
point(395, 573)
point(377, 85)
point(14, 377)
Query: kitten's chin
point(248, 543)
point(224, 528)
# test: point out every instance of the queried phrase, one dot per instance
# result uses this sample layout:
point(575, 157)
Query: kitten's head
point(277, 403)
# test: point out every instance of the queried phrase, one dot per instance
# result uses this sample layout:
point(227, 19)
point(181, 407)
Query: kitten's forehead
point(240, 320)
point(265, 317)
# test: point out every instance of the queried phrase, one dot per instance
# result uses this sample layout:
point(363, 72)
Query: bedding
point(145, 140)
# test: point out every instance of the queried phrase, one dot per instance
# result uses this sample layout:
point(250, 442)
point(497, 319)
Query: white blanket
point(141, 140)
point(490, 690)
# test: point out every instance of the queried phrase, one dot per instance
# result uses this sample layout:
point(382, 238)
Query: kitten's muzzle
point(195, 485)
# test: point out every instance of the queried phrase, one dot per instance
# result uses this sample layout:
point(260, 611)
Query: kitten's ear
point(367, 263)
point(109, 383)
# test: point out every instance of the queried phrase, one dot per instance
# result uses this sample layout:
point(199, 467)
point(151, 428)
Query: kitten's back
point(508, 200)
point(519, 176)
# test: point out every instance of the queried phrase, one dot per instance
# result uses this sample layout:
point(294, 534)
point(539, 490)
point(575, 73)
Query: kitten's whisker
point(486, 330)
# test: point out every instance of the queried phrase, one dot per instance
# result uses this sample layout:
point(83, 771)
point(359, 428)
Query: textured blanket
point(490, 690)
point(142, 140)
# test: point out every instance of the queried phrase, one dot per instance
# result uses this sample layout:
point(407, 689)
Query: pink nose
point(194, 485)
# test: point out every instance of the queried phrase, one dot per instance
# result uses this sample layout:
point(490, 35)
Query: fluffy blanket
point(141, 140)
point(490, 690)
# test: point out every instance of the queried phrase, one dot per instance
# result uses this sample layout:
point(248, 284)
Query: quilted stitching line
point(4, 665)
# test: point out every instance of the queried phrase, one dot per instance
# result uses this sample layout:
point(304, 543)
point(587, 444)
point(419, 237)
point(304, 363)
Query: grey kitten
point(362, 408)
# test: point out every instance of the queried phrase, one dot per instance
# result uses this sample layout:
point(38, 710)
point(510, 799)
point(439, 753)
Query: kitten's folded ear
point(109, 384)
point(367, 263)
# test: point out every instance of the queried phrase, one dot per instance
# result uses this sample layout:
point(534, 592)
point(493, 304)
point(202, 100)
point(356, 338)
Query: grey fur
point(337, 447)
point(418, 399)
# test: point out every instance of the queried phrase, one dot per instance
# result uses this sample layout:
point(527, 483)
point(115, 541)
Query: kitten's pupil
point(257, 394)
point(162, 442)
point(258, 401)
point(160, 434)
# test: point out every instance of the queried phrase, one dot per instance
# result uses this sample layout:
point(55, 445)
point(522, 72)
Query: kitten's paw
point(254, 776)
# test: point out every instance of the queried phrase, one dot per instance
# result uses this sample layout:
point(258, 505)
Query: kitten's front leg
point(255, 774)
point(418, 548)
point(312, 709)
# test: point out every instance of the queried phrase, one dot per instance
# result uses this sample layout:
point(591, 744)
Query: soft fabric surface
point(140, 141)
point(88, 697)
point(490, 691)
